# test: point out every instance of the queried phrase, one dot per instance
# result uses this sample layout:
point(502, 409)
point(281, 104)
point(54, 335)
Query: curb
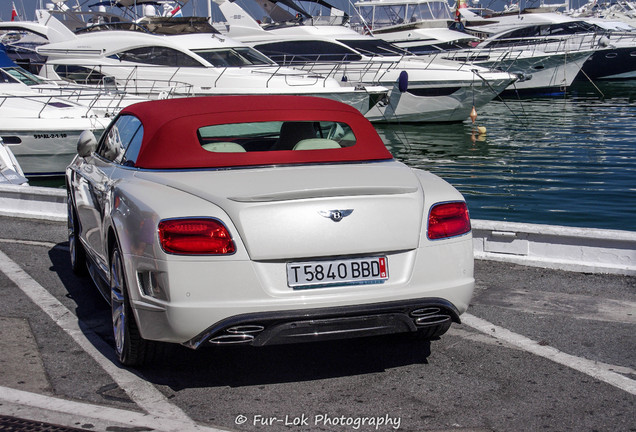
point(33, 202)
point(587, 250)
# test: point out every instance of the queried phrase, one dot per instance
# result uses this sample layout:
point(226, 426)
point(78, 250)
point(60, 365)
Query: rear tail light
point(448, 220)
point(195, 236)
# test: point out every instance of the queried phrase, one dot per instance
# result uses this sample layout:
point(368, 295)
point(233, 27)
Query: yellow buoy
point(481, 129)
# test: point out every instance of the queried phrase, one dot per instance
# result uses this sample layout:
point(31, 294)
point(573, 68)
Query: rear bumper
point(308, 325)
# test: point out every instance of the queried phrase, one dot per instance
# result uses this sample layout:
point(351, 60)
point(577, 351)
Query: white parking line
point(70, 413)
point(599, 371)
point(33, 243)
point(144, 394)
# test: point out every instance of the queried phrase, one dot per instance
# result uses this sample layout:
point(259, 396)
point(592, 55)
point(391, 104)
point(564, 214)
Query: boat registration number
point(312, 274)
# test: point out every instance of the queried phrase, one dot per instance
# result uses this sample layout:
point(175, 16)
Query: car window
point(276, 135)
point(122, 141)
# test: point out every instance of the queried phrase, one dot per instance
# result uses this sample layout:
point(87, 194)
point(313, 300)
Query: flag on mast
point(459, 5)
point(14, 12)
point(176, 12)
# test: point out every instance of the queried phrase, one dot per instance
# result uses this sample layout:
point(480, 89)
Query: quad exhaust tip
point(238, 335)
point(424, 317)
point(429, 316)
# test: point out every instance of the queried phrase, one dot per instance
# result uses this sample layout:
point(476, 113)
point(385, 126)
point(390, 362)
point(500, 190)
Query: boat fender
point(403, 81)
point(603, 41)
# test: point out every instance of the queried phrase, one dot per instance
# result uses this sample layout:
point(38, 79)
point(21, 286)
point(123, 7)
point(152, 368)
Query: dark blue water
point(567, 160)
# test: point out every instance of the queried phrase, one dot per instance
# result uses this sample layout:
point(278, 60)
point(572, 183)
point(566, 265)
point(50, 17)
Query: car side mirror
point(86, 144)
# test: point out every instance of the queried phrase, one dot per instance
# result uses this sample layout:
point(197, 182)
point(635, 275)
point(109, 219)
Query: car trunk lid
point(315, 211)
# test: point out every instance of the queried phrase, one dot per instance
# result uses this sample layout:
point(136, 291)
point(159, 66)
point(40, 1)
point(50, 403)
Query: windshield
point(18, 74)
point(234, 57)
point(389, 15)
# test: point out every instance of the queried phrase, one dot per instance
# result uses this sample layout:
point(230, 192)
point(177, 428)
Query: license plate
point(312, 274)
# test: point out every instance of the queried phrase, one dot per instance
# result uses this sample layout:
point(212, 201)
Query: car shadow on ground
point(237, 366)
point(240, 365)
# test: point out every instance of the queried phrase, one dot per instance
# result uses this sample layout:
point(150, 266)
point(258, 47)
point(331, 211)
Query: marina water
point(561, 160)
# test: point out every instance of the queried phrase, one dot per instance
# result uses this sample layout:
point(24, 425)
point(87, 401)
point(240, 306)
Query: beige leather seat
point(316, 144)
point(223, 147)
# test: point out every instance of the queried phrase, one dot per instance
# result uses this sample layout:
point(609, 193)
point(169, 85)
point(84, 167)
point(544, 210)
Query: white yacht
point(419, 26)
point(429, 28)
point(42, 130)
point(623, 11)
point(183, 64)
point(612, 51)
point(420, 90)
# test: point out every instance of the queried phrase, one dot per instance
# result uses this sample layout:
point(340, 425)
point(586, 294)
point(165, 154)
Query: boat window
point(421, 12)
point(275, 135)
point(233, 57)
point(366, 13)
point(79, 74)
point(440, 10)
point(299, 52)
point(548, 30)
point(6, 78)
point(374, 47)
point(177, 25)
point(157, 55)
point(122, 141)
point(22, 75)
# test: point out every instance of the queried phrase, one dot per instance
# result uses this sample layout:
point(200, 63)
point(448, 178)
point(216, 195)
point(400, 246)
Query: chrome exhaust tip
point(432, 320)
point(239, 334)
point(246, 329)
point(429, 316)
point(432, 310)
point(232, 339)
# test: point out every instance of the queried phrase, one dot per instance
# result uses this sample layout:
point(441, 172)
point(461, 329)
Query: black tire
point(76, 249)
point(131, 348)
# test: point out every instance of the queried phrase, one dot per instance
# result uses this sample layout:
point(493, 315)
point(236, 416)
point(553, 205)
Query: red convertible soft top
point(170, 139)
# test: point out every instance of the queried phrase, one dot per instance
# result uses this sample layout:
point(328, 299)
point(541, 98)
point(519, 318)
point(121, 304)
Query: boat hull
point(45, 148)
point(414, 106)
point(538, 72)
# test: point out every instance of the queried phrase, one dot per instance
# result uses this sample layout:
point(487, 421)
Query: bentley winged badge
point(335, 215)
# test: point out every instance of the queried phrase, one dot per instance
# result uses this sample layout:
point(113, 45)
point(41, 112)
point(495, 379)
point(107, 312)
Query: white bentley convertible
point(262, 220)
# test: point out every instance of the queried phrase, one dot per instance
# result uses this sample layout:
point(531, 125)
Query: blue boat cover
point(5, 61)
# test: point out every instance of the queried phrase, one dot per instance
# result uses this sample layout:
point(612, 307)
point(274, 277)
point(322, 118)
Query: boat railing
point(347, 72)
point(46, 101)
point(574, 42)
point(369, 71)
point(152, 87)
point(496, 55)
point(103, 97)
point(136, 80)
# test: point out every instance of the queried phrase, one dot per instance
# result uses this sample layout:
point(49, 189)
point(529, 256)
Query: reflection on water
point(562, 161)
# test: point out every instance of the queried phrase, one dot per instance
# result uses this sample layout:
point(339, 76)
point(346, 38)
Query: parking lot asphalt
point(538, 350)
